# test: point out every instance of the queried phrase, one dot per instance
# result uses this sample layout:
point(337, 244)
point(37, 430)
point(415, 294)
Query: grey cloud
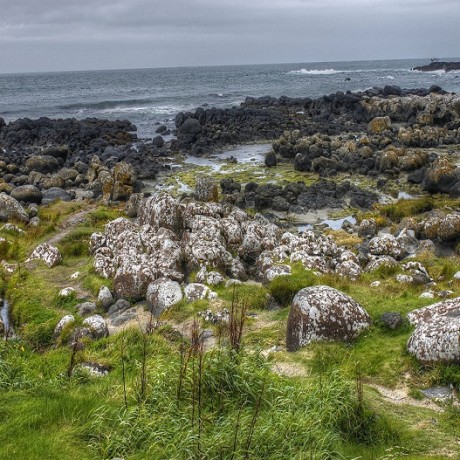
point(122, 33)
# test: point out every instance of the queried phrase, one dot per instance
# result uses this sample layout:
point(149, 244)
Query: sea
point(149, 97)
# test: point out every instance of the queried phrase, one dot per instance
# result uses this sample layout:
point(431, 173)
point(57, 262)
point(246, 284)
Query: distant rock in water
point(438, 65)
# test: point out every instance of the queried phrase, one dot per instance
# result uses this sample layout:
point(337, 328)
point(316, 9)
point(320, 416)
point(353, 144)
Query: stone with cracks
point(322, 313)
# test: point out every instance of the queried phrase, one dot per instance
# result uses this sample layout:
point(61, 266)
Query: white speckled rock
point(380, 261)
point(97, 326)
point(161, 210)
point(349, 269)
point(196, 291)
point(163, 294)
point(62, 323)
point(386, 245)
point(322, 313)
point(214, 278)
point(375, 284)
point(66, 292)
point(105, 297)
point(274, 271)
point(437, 334)
point(457, 276)
point(50, 255)
point(404, 279)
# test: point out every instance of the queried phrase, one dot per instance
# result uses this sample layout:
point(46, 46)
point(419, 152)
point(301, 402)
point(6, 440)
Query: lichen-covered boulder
point(322, 313)
point(367, 227)
point(206, 188)
point(349, 269)
point(11, 209)
point(67, 319)
point(163, 294)
point(196, 291)
point(50, 255)
point(376, 262)
point(449, 228)
point(386, 245)
point(437, 334)
point(97, 325)
point(161, 210)
point(379, 124)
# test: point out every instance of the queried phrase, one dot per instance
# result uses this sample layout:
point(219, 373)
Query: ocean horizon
point(151, 96)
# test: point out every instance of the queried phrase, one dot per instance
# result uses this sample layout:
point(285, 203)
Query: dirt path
point(69, 224)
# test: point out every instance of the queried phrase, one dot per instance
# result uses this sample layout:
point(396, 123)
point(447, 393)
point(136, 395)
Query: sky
point(55, 35)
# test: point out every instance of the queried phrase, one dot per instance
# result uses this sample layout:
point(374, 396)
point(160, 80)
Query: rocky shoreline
point(143, 271)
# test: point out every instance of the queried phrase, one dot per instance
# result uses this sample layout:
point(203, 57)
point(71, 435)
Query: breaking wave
point(315, 72)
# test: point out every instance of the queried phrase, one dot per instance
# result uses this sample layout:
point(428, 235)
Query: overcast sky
point(44, 35)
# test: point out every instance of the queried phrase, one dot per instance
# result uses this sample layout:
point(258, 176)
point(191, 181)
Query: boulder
point(379, 124)
point(66, 292)
point(160, 210)
point(391, 320)
point(67, 319)
point(191, 126)
point(322, 313)
point(86, 308)
point(163, 294)
point(386, 245)
point(50, 255)
point(55, 194)
point(27, 194)
point(437, 334)
point(105, 297)
point(42, 163)
point(97, 325)
point(206, 189)
point(11, 209)
point(270, 159)
point(196, 291)
point(118, 307)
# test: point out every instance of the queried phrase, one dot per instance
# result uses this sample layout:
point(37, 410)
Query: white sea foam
point(390, 77)
point(314, 72)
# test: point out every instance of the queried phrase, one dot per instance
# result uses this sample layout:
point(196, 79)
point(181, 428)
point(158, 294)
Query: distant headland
point(438, 65)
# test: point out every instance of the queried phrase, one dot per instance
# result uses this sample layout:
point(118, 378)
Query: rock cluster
point(296, 197)
point(172, 238)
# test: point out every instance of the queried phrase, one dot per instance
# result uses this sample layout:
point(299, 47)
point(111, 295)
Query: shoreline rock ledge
point(439, 65)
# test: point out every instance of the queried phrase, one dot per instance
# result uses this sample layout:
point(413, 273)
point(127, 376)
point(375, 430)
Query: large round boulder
point(27, 194)
point(437, 334)
point(191, 126)
point(322, 313)
point(42, 163)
